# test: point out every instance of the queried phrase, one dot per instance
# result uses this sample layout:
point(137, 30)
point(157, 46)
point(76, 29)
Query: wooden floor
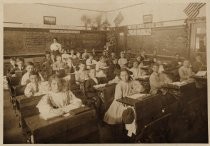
point(181, 132)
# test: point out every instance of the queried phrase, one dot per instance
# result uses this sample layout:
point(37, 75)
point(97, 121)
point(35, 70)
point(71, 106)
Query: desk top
point(132, 101)
point(35, 122)
point(204, 78)
point(179, 85)
point(105, 86)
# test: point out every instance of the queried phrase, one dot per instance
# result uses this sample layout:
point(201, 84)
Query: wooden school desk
point(184, 91)
point(26, 107)
point(150, 113)
point(63, 129)
point(106, 93)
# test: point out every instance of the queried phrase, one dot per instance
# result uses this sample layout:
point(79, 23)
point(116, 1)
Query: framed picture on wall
point(147, 18)
point(49, 20)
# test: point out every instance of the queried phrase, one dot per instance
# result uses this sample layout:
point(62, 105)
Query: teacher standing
point(55, 47)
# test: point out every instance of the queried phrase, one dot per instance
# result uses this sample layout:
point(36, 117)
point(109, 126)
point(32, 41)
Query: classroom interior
point(105, 72)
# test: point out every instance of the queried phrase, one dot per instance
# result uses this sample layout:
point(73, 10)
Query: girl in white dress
point(124, 88)
point(58, 100)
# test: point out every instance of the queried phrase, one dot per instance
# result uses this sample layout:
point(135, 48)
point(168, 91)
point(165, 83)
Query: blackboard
point(166, 40)
point(29, 41)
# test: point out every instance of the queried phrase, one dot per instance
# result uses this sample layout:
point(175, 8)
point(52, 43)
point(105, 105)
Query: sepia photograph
point(105, 72)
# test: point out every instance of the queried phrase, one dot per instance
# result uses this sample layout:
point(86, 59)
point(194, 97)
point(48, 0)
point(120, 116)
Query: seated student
point(58, 100)
point(143, 56)
point(91, 82)
point(122, 61)
point(81, 75)
point(185, 72)
point(76, 61)
point(90, 61)
point(47, 59)
point(12, 68)
point(101, 67)
point(85, 54)
point(157, 80)
point(35, 87)
point(69, 68)
point(137, 71)
point(25, 78)
point(177, 62)
point(59, 64)
point(139, 59)
point(113, 55)
point(93, 52)
point(52, 57)
point(112, 67)
point(198, 64)
point(124, 88)
point(116, 79)
point(20, 65)
point(65, 56)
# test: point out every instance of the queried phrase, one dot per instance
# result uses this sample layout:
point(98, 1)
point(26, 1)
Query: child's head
point(198, 58)
point(82, 66)
point(177, 56)
point(115, 61)
point(186, 63)
point(58, 58)
point(122, 55)
point(56, 84)
point(78, 54)
point(102, 59)
point(12, 61)
point(55, 40)
point(52, 56)
point(69, 62)
point(29, 67)
point(34, 77)
point(47, 54)
point(124, 75)
point(135, 64)
point(155, 67)
point(138, 58)
point(113, 54)
point(85, 50)
point(72, 51)
point(91, 56)
point(20, 62)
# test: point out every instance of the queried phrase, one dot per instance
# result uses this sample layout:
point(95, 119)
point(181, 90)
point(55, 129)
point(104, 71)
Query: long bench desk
point(63, 129)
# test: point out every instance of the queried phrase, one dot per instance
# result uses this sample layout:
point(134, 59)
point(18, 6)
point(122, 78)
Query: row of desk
point(155, 110)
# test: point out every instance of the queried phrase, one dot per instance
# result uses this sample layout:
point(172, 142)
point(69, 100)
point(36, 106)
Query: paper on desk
point(201, 73)
point(137, 96)
point(99, 86)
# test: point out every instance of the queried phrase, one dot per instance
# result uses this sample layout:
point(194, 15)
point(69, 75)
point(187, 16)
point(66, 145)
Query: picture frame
point(147, 18)
point(49, 20)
